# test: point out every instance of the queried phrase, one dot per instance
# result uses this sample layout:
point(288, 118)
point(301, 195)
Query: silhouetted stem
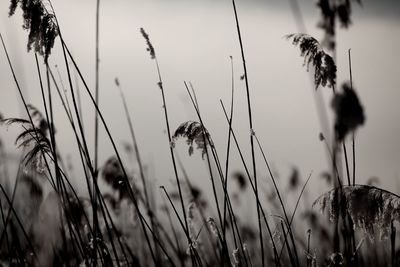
point(279, 196)
point(228, 146)
point(126, 180)
point(96, 126)
point(277, 263)
point(251, 130)
point(141, 171)
point(354, 140)
point(347, 162)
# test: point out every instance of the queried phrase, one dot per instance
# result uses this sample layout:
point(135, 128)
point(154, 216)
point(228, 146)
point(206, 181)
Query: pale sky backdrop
point(193, 41)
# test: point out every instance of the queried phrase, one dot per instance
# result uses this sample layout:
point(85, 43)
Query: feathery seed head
point(369, 207)
point(311, 50)
point(150, 47)
point(194, 132)
point(41, 24)
point(330, 12)
point(348, 110)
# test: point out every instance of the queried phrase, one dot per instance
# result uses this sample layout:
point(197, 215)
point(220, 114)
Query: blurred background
point(194, 40)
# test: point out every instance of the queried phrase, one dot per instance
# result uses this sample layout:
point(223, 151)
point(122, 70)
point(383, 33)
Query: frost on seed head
point(236, 257)
point(213, 227)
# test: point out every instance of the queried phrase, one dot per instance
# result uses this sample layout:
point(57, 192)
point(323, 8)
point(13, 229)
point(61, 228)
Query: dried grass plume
point(311, 50)
point(369, 207)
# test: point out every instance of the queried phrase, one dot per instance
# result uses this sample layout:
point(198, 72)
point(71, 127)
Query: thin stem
point(354, 158)
point(79, 99)
point(96, 129)
point(178, 247)
point(354, 140)
point(251, 129)
point(292, 261)
point(347, 162)
point(176, 212)
point(198, 204)
point(228, 146)
point(309, 261)
point(277, 262)
point(31, 247)
point(160, 85)
point(84, 159)
point(294, 4)
point(393, 244)
point(125, 176)
point(96, 126)
point(92, 170)
point(289, 225)
point(280, 199)
point(135, 145)
point(170, 140)
point(207, 140)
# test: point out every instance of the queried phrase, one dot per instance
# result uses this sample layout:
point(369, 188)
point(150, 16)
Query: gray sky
point(193, 41)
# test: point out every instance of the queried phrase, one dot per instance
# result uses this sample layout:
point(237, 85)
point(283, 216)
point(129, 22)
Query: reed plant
point(46, 221)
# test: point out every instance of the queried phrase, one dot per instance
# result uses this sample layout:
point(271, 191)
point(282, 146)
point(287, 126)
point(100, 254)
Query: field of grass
point(117, 215)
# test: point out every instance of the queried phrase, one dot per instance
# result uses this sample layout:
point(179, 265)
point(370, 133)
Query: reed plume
point(35, 136)
point(41, 24)
point(311, 50)
point(193, 132)
point(330, 11)
point(349, 113)
point(369, 207)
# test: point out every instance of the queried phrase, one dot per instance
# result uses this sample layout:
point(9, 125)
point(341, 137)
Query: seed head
point(150, 47)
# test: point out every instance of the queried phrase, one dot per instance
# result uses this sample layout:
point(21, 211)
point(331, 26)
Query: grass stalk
point(347, 162)
point(141, 170)
point(393, 244)
point(96, 126)
point(96, 118)
point(161, 87)
point(309, 260)
point(160, 83)
point(289, 251)
point(258, 203)
point(31, 247)
point(126, 180)
point(206, 139)
point(289, 224)
point(353, 137)
point(251, 130)
point(199, 207)
point(228, 146)
point(175, 235)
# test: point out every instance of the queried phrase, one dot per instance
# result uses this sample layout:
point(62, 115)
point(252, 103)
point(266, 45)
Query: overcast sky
point(193, 41)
